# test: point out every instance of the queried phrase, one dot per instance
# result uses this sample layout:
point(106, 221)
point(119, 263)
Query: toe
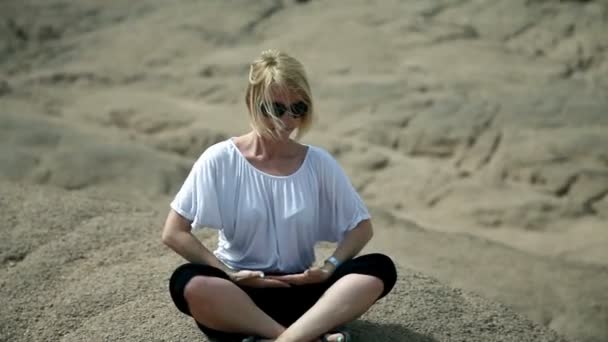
point(337, 337)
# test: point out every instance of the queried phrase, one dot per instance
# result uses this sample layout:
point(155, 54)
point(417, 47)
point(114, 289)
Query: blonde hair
point(275, 71)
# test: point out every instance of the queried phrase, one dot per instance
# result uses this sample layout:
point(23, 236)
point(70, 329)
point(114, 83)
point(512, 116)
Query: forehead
point(284, 95)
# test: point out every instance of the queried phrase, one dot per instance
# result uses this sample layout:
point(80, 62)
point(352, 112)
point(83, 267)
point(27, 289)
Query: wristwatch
point(334, 261)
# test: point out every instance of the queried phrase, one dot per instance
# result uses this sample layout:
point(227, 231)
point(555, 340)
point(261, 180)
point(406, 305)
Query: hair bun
point(270, 57)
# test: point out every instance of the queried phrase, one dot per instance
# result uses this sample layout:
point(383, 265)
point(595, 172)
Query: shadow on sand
point(370, 331)
point(366, 331)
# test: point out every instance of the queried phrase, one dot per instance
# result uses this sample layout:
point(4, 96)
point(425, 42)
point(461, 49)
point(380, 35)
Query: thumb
point(246, 274)
point(255, 274)
point(313, 269)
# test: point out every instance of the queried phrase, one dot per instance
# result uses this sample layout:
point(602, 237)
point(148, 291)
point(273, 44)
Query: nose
point(289, 115)
point(289, 121)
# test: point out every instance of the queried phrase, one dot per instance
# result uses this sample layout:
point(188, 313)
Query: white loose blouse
point(267, 222)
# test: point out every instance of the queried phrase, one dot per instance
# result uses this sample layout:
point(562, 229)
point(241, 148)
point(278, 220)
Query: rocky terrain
point(475, 130)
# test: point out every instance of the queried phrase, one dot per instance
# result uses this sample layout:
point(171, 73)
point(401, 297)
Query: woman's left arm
point(354, 241)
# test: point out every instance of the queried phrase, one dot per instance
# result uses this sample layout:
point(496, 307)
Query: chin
point(286, 130)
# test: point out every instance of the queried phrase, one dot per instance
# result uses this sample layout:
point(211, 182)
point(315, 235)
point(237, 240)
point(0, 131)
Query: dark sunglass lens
point(279, 109)
point(299, 108)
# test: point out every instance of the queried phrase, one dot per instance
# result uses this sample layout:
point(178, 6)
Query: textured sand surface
point(90, 271)
point(476, 131)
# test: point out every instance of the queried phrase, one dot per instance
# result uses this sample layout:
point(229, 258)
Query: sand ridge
point(475, 130)
point(97, 275)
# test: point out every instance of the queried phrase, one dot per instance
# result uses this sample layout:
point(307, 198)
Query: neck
point(267, 148)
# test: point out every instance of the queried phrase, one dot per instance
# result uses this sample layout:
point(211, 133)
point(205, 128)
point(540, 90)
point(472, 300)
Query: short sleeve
point(341, 208)
point(197, 200)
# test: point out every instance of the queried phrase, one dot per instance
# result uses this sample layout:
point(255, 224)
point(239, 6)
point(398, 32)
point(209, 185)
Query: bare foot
point(337, 337)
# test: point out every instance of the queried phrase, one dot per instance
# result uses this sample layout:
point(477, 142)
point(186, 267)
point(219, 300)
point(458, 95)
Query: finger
point(250, 274)
point(288, 277)
point(294, 280)
point(275, 283)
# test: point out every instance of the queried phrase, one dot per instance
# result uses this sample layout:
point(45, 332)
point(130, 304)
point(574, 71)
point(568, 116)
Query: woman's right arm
point(177, 236)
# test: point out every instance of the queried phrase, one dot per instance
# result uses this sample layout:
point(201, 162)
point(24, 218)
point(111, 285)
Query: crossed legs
point(335, 307)
point(212, 302)
point(220, 306)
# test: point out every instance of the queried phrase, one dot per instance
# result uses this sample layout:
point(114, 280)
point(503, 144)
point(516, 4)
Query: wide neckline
point(293, 174)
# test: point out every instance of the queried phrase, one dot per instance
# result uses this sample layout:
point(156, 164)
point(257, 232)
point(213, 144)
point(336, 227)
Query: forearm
point(354, 241)
point(191, 249)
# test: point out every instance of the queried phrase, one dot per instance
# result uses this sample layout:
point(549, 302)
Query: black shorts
point(272, 300)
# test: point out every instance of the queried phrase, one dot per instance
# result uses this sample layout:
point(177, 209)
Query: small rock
point(371, 161)
point(5, 88)
point(208, 71)
point(47, 32)
point(17, 30)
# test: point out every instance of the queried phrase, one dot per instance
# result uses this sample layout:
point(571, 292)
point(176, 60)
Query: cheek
point(291, 122)
point(291, 119)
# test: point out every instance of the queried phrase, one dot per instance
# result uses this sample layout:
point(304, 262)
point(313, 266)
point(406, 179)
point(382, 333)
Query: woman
point(272, 199)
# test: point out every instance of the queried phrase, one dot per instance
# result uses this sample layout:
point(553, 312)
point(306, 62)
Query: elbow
point(370, 233)
point(167, 238)
point(368, 230)
point(365, 231)
point(174, 226)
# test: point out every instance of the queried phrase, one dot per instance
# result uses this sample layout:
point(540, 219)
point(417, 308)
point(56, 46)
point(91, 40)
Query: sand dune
point(88, 269)
point(475, 130)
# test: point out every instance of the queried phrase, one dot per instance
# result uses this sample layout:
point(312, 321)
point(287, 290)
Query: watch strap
point(334, 261)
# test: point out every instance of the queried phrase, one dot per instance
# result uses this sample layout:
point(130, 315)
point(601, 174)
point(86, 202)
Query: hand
point(255, 279)
point(310, 276)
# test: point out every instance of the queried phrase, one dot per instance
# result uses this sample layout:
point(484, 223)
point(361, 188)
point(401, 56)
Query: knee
point(384, 269)
point(195, 288)
point(389, 267)
point(383, 263)
point(375, 284)
point(203, 288)
point(366, 282)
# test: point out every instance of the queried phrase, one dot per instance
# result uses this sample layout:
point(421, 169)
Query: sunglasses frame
point(297, 109)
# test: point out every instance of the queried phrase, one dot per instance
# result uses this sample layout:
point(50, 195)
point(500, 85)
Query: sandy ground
point(476, 131)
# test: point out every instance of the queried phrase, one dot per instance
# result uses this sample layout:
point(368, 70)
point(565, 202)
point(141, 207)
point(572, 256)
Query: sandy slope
point(92, 269)
point(475, 130)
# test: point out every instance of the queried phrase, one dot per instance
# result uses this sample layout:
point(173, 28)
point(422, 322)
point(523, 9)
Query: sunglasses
point(297, 110)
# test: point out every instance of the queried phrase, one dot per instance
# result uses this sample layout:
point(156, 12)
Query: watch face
point(333, 261)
